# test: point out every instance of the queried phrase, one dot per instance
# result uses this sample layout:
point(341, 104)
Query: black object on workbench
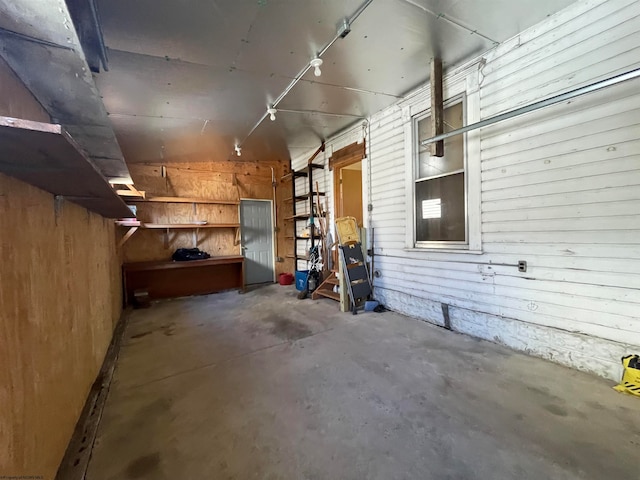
point(186, 254)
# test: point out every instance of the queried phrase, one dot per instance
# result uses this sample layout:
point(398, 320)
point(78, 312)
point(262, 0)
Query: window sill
point(443, 250)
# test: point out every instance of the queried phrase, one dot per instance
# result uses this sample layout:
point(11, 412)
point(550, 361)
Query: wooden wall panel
point(16, 101)
point(60, 298)
point(225, 180)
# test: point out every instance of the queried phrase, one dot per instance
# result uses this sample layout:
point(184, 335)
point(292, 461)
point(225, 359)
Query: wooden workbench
point(169, 279)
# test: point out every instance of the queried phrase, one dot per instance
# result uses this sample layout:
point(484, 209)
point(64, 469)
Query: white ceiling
point(188, 79)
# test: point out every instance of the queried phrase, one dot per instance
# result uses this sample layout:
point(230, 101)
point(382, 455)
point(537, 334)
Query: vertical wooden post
point(436, 149)
point(345, 302)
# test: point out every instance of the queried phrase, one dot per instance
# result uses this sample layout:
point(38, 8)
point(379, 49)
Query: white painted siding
point(560, 189)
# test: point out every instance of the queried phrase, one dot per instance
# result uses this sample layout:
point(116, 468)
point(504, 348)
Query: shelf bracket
point(131, 192)
point(127, 236)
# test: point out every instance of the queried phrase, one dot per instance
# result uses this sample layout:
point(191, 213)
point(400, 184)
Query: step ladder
point(354, 266)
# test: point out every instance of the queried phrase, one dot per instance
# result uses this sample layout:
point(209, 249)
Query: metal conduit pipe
point(274, 212)
point(302, 72)
point(593, 87)
point(370, 244)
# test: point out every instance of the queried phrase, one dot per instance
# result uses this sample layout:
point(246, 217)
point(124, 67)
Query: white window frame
point(415, 119)
point(463, 85)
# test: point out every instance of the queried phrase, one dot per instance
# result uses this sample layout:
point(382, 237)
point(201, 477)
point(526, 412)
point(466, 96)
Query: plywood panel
point(60, 298)
point(205, 180)
point(16, 101)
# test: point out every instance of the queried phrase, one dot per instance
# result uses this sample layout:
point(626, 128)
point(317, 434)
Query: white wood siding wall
point(560, 189)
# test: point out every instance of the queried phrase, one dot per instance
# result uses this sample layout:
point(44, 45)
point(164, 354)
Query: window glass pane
point(453, 159)
point(440, 209)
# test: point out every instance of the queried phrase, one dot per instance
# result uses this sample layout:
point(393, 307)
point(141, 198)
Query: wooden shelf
point(297, 237)
point(303, 172)
point(302, 216)
point(184, 200)
point(45, 155)
point(299, 257)
point(135, 225)
point(169, 265)
point(172, 226)
point(306, 196)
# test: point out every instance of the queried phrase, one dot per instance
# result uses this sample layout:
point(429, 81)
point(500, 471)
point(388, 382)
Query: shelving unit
point(297, 197)
point(167, 227)
point(184, 200)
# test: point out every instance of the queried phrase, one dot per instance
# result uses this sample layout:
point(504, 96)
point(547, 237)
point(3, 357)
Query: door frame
point(337, 199)
point(273, 229)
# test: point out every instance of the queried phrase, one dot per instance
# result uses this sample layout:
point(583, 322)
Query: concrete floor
point(266, 386)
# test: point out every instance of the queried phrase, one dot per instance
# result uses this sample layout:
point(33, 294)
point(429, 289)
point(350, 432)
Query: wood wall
point(60, 297)
point(221, 180)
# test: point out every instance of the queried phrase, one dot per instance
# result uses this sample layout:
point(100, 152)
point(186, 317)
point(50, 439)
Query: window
point(440, 193)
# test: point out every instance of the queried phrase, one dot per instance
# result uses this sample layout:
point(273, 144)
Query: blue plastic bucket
point(301, 279)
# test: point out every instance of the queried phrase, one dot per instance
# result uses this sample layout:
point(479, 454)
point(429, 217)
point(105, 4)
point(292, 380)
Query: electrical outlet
point(522, 266)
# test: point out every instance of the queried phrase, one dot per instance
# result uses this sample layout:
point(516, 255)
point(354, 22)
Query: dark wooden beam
point(436, 149)
point(347, 155)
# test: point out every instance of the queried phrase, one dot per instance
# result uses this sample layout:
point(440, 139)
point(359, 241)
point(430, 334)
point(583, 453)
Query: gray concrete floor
point(266, 386)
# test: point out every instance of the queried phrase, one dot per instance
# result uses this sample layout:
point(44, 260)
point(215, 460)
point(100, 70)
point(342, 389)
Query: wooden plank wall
point(59, 302)
point(217, 180)
point(60, 298)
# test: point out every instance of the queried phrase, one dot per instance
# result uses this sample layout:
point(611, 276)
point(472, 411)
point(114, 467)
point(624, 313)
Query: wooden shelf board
point(172, 226)
point(184, 200)
point(45, 155)
point(302, 216)
point(167, 265)
point(303, 172)
point(307, 195)
point(128, 223)
point(299, 257)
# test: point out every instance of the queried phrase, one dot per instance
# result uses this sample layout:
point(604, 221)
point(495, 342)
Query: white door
point(256, 230)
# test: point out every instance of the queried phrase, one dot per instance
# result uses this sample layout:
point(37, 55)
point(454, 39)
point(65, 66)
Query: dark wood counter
point(168, 279)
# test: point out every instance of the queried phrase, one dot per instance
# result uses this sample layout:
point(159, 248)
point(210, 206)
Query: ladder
point(354, 266)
